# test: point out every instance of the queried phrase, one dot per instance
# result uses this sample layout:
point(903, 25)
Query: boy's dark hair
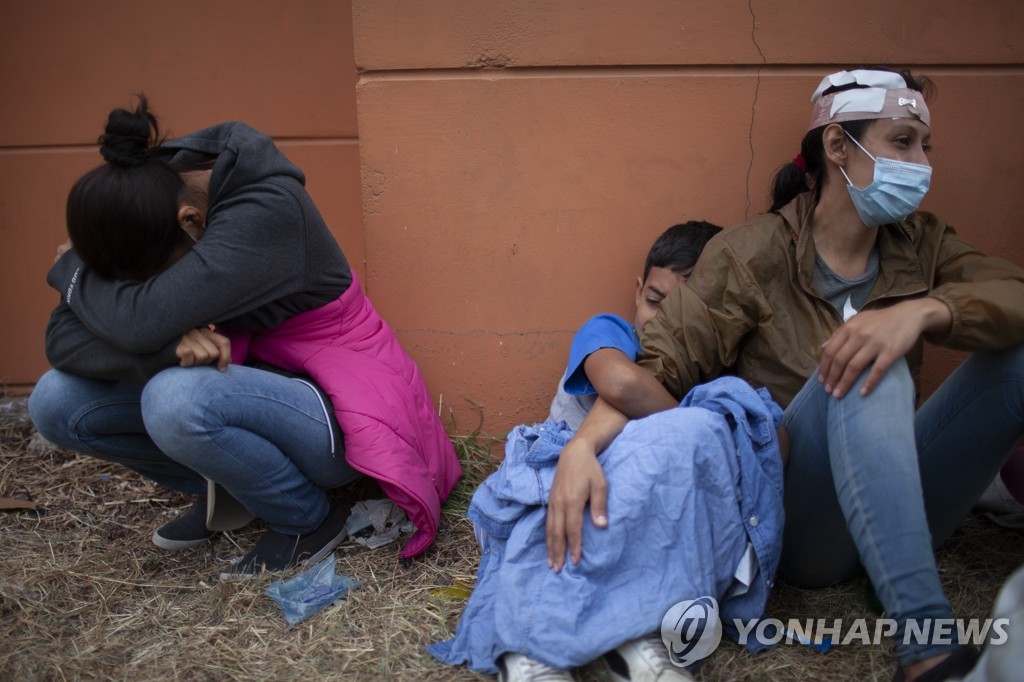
point(679, 247)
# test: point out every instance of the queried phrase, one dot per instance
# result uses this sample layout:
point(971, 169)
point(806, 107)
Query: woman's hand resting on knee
point(876, 339)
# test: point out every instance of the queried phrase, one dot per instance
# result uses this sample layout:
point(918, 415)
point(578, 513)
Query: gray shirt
point(847, 296)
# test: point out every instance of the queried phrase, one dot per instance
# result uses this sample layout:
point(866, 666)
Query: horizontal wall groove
point(663, 70)
point(282, 141)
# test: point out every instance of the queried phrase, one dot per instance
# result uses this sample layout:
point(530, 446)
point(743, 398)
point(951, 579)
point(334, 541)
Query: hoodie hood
point(244, 156)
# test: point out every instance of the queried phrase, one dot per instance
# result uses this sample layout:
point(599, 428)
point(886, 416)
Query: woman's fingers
point(222, 344)
point(203, 346)
point(871, 342)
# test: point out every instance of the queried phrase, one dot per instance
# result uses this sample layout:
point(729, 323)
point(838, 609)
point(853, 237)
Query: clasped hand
point(204, 346)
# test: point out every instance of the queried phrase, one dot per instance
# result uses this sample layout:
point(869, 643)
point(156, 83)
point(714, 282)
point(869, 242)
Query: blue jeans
point(872, 484)
point(264, 437)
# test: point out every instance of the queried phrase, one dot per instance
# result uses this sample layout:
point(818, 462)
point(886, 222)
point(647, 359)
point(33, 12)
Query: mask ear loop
point(195, 240)
point(842, 170)
point(859, 145)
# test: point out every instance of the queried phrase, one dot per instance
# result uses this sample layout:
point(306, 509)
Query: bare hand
point(203, 346)
point(62, 249)
point(876, 339)
point(578, 479)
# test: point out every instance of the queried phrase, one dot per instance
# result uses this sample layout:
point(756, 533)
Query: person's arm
point(876, 339)
point(71, 347)
point(252, 253)
point(977, 303)
point(579, 479)
point(984, 294)
point(626, 386)
point(701, 325)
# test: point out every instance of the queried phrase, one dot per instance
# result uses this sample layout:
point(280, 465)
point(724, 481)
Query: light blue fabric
point(689, 490)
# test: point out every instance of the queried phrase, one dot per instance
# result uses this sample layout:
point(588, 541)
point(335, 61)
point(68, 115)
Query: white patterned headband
point(883, 95)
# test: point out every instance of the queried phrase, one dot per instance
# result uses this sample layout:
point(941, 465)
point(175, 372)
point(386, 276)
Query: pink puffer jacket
point(386, 415)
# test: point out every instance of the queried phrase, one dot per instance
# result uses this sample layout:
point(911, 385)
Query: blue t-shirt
point(576, 395)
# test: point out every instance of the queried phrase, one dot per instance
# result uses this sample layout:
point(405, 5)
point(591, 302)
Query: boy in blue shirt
point(601, 361)
point(606, 347)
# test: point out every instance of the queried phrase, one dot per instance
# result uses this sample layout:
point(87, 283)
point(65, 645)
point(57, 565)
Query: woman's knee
point(174, 403)
point(50, 406)
point(896, 383)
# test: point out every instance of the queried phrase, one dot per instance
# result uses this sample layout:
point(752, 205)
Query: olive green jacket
point(750, 309)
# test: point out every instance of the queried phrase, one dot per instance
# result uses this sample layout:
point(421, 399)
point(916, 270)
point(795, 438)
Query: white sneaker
point(644, 660)
point(519, 668)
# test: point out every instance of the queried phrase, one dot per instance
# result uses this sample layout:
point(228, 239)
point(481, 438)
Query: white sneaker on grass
point(644, 660)
point(519, 668)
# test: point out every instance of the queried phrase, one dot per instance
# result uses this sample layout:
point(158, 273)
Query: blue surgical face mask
point(895, 192)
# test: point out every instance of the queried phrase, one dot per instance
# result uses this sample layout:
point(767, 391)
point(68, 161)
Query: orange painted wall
point(513, 160)
point(285, 67)
point(518, 158)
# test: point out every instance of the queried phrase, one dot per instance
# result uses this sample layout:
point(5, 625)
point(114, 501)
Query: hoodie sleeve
point(252, 253)
point(72, 348)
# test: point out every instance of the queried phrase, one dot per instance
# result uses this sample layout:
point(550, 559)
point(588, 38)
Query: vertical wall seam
point(753, 104)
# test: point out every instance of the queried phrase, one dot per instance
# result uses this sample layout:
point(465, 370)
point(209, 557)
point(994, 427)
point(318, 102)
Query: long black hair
point(122, 215)
point(790, 180)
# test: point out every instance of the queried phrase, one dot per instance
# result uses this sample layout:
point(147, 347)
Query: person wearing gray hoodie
point(173, 242)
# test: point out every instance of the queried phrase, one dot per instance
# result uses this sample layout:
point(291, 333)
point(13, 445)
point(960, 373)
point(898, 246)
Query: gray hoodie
point(265, 256)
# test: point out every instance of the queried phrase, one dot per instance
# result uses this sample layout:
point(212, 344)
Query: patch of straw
point(84, 594)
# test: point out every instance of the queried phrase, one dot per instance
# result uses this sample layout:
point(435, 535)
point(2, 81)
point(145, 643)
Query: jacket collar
point(900, 269)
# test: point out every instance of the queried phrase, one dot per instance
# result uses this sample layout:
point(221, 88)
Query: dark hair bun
point(129, 135)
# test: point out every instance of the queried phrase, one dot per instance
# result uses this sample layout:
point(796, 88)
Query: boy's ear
point(639, 289)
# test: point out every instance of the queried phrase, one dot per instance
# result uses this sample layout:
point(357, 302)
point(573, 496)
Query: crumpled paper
point(310, 591)
point(375, 523)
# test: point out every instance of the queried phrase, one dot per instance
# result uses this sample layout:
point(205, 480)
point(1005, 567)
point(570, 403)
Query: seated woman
point(827, 300)
point(693, 513)
point(216, 229)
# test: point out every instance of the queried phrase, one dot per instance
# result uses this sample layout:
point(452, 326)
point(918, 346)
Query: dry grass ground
point(84, 594)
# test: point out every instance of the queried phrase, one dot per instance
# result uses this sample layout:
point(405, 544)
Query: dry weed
point(85, 595)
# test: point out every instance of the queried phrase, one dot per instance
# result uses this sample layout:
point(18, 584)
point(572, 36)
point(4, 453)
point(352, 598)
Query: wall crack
point(753, 104)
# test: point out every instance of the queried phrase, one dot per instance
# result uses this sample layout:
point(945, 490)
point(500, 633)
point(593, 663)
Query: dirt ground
point(85, 595)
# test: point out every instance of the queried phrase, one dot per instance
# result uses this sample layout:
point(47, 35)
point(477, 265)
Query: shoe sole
point(177, 545)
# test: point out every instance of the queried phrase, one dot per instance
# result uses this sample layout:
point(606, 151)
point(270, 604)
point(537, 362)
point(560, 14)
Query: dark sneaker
point(187, 531)
point(953, 667)
point(276, 551)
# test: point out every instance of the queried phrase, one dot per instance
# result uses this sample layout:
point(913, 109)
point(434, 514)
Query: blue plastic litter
point(310, 591)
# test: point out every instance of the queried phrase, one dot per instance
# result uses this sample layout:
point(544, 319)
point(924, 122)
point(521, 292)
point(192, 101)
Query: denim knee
point(49, 407)
point(897, 383)
point(174, 403)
